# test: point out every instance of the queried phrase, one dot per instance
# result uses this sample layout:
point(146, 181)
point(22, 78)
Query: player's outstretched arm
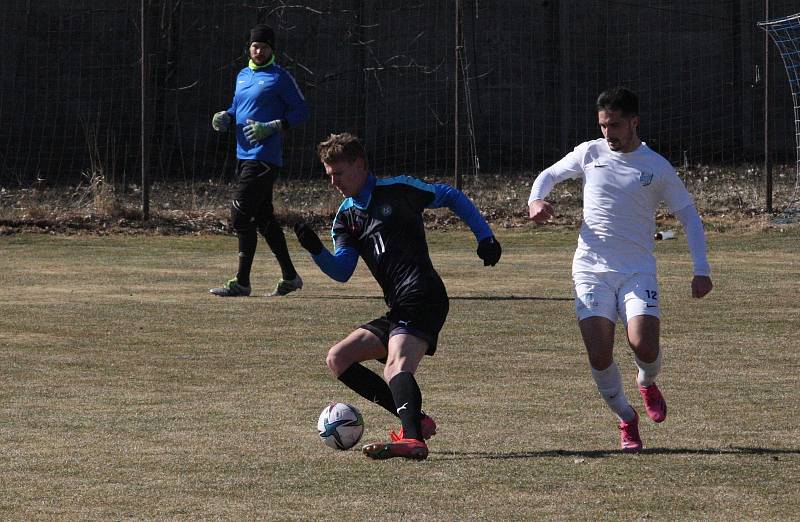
point(489, 249)
point(338, 266)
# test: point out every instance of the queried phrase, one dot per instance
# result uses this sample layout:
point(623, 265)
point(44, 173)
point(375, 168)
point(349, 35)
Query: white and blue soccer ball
point(340, 425)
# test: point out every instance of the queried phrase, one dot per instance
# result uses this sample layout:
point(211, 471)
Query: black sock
point(247, 250)
point(406, 393)
point(277, 243)
point(369, 385)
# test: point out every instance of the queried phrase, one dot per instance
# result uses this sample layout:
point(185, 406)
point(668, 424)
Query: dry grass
point(129, 392)
point(728, 199)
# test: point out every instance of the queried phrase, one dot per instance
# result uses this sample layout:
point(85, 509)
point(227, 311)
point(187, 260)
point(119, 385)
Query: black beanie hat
point(263, 33)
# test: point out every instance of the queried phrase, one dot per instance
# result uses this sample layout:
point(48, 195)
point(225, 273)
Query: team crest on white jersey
point(587, 300)
point(645, 178)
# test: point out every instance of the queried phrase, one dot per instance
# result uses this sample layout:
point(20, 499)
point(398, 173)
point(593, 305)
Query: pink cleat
point(629, 435)
point(407, 448)
point(654, 402)
point(427, 429)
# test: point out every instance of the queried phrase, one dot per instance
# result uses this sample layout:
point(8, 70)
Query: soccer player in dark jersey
point(380, 221)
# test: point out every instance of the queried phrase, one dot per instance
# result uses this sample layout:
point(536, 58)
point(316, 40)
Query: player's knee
point(391, 369)
point(646, 348)
point(600, 360)
point(241, 221)
point(336, 362)
point(273, 233)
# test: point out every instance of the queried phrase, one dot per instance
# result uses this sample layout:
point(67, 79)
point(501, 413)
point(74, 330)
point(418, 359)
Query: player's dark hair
point(338, 147)
point(618, 99)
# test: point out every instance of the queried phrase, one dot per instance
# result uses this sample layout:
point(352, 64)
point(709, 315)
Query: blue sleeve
point(340, 265)
point(455, 200)
point(297, 111)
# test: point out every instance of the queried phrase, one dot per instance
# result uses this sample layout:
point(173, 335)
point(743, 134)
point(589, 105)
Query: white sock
point(609, 384)
point(648, 371)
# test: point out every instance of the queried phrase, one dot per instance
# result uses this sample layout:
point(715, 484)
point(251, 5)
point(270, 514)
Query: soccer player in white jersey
point(613, 270)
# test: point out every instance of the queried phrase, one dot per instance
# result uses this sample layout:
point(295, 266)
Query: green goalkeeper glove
point(256, 131)
point(221, 121)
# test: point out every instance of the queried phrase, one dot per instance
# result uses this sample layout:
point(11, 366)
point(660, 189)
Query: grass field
point(128, 392)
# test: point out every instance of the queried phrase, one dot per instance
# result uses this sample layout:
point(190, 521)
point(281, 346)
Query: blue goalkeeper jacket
point(264, 94)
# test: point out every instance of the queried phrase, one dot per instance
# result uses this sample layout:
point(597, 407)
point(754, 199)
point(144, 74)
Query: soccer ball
point(340, 425)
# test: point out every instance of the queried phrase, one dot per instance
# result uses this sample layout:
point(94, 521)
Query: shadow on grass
point(597, 454)
point(454, 297)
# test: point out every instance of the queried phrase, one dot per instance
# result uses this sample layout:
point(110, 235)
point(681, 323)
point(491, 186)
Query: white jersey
point(621, 193)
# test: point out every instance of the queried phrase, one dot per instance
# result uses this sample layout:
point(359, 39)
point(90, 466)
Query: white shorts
point(612, 295)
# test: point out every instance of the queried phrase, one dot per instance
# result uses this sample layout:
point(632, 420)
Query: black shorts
point(423, 320)
point(254, 191)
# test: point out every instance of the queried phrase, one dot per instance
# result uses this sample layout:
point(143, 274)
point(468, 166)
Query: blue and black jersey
point(266, 93)
point(383, 225)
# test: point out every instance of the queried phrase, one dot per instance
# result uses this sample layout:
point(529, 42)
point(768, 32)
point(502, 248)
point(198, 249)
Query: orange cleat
point(427, 429)
point(407, 448)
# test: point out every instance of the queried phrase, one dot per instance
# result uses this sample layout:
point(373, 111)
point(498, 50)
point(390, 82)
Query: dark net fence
point(528, 71)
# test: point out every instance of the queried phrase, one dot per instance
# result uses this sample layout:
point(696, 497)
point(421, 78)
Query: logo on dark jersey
point(386, 210)
point(645, 178)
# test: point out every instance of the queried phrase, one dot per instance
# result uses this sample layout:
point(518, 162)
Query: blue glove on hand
point(221, 121)
point(256, 131)
point(489, 250)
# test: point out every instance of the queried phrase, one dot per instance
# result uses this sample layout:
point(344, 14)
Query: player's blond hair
point(338, 147)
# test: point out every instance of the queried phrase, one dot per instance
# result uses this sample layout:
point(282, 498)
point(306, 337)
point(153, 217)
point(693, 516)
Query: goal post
point(785, 33)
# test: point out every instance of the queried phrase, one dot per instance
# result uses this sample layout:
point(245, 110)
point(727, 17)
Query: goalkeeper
point(267, 102)
point(380, 221)
point(613, 270)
